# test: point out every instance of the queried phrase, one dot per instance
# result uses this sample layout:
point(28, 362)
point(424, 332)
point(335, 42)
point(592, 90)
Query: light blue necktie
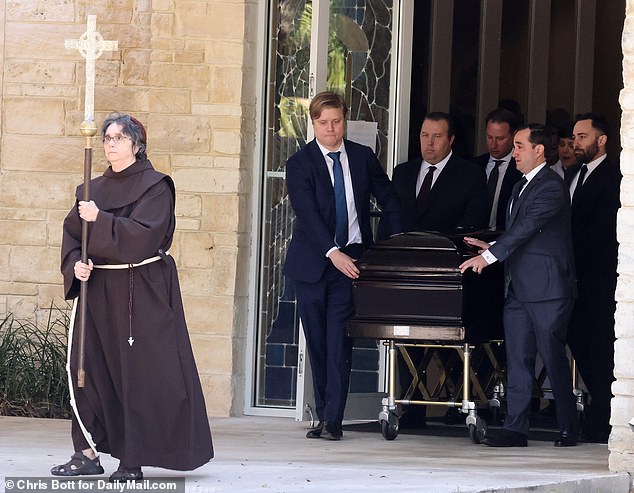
point(341, 228)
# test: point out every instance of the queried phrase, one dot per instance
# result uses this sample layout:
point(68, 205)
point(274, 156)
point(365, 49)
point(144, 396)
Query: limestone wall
point(622, 439)
point(180, 69)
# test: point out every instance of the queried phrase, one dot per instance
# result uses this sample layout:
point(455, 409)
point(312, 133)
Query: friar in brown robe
point(142, 401)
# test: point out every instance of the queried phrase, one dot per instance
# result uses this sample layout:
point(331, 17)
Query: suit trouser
point(530, 328)
point(324, 308)
point(591, 340)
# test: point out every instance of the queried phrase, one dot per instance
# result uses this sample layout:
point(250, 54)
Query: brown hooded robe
point(142, 403)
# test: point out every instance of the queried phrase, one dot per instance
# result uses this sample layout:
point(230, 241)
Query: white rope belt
point(127, 266)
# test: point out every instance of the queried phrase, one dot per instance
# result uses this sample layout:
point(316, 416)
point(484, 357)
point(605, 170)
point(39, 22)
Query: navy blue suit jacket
point(312, 197)
point(536, 246)
point(510, 177)
point(459, 197)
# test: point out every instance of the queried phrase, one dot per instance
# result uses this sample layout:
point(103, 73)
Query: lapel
point(510, 176)
point(322, 175)
point(511, 208)
point(528, 189)
point(412, 170)
point(591, 183)
point(357, 168)
point(443, 182)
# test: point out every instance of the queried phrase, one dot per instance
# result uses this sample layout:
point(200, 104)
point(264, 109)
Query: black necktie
point(492, 183)
point(423, 194)
point(341, 207)
point(516, 191)
point(582, 175)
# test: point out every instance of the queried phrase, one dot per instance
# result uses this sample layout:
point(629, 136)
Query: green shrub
point(33, 378)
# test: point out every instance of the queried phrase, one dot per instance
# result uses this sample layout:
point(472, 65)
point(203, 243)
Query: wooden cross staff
point(91, 46)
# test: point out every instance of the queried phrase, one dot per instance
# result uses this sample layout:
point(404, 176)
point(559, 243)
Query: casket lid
point(412, 252)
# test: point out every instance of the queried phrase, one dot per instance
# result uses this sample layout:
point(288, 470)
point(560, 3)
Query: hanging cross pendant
point(130, 341)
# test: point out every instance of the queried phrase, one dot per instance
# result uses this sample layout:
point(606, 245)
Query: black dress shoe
point(316, 431)
point(331, 431)
point(505, 438)
point(567, 438)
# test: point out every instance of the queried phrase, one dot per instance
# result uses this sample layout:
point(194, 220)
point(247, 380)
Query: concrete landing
point(261, 454)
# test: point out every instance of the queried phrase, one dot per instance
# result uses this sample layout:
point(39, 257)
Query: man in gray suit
point(536, 249)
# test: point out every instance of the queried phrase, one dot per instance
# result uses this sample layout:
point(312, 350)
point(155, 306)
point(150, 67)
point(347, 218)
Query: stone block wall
point(180, 68)
point(621, 442)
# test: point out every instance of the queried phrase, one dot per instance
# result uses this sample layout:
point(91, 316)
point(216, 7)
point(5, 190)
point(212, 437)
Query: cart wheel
point(389, 430)
point(478, 431)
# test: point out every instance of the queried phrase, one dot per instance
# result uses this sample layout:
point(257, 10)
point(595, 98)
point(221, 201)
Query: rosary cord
point(130, 297)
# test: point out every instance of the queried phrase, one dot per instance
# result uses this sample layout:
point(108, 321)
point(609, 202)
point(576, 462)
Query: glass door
point(339, 45)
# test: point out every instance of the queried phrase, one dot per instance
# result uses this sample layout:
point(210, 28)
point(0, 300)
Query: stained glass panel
point(359, 67)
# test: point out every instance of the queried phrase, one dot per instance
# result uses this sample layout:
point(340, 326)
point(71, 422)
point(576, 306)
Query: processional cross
point(91, 46)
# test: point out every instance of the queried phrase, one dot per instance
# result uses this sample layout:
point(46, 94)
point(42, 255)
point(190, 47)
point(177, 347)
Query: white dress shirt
point(592, 165)
point(423, 171)
point(354, 231)
point(496, 198)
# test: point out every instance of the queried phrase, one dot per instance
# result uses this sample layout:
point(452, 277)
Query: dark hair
point(599, 122)
point(131, 127)
point(539, 135)
point(502, 115)
point(440, 116)
point(514, 107)
point(565, 131)
point(326, 99)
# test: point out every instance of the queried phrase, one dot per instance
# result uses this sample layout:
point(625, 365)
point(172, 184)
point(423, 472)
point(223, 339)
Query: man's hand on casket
point(344, 264)
point(477, 263)
point(481, 245)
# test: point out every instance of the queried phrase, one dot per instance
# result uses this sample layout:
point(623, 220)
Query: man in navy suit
point(536, 249)
point(441, 192)
point(595, 202)
point(499, 164)
point(329, 183)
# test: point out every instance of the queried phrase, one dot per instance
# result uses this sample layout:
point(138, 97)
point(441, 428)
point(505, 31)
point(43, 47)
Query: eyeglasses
point(117, 139)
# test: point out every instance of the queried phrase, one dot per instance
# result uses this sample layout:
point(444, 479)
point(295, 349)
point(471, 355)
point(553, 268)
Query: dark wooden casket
point(410, 288)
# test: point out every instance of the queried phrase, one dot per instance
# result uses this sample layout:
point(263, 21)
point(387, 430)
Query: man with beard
point(594, 193)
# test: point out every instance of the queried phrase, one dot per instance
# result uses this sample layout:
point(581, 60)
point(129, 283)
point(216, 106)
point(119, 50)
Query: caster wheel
point(478, 431)
point(390, 429)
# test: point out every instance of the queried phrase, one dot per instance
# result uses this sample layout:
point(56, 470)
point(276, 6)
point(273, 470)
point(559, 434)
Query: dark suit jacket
point(459, 197)
point(312, 197)
point(594, 240)
point(536, 246)
point(510, 177)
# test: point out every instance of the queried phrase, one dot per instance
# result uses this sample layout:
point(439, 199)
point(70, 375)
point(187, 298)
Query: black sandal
point(78, 465)
point(126, 474)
